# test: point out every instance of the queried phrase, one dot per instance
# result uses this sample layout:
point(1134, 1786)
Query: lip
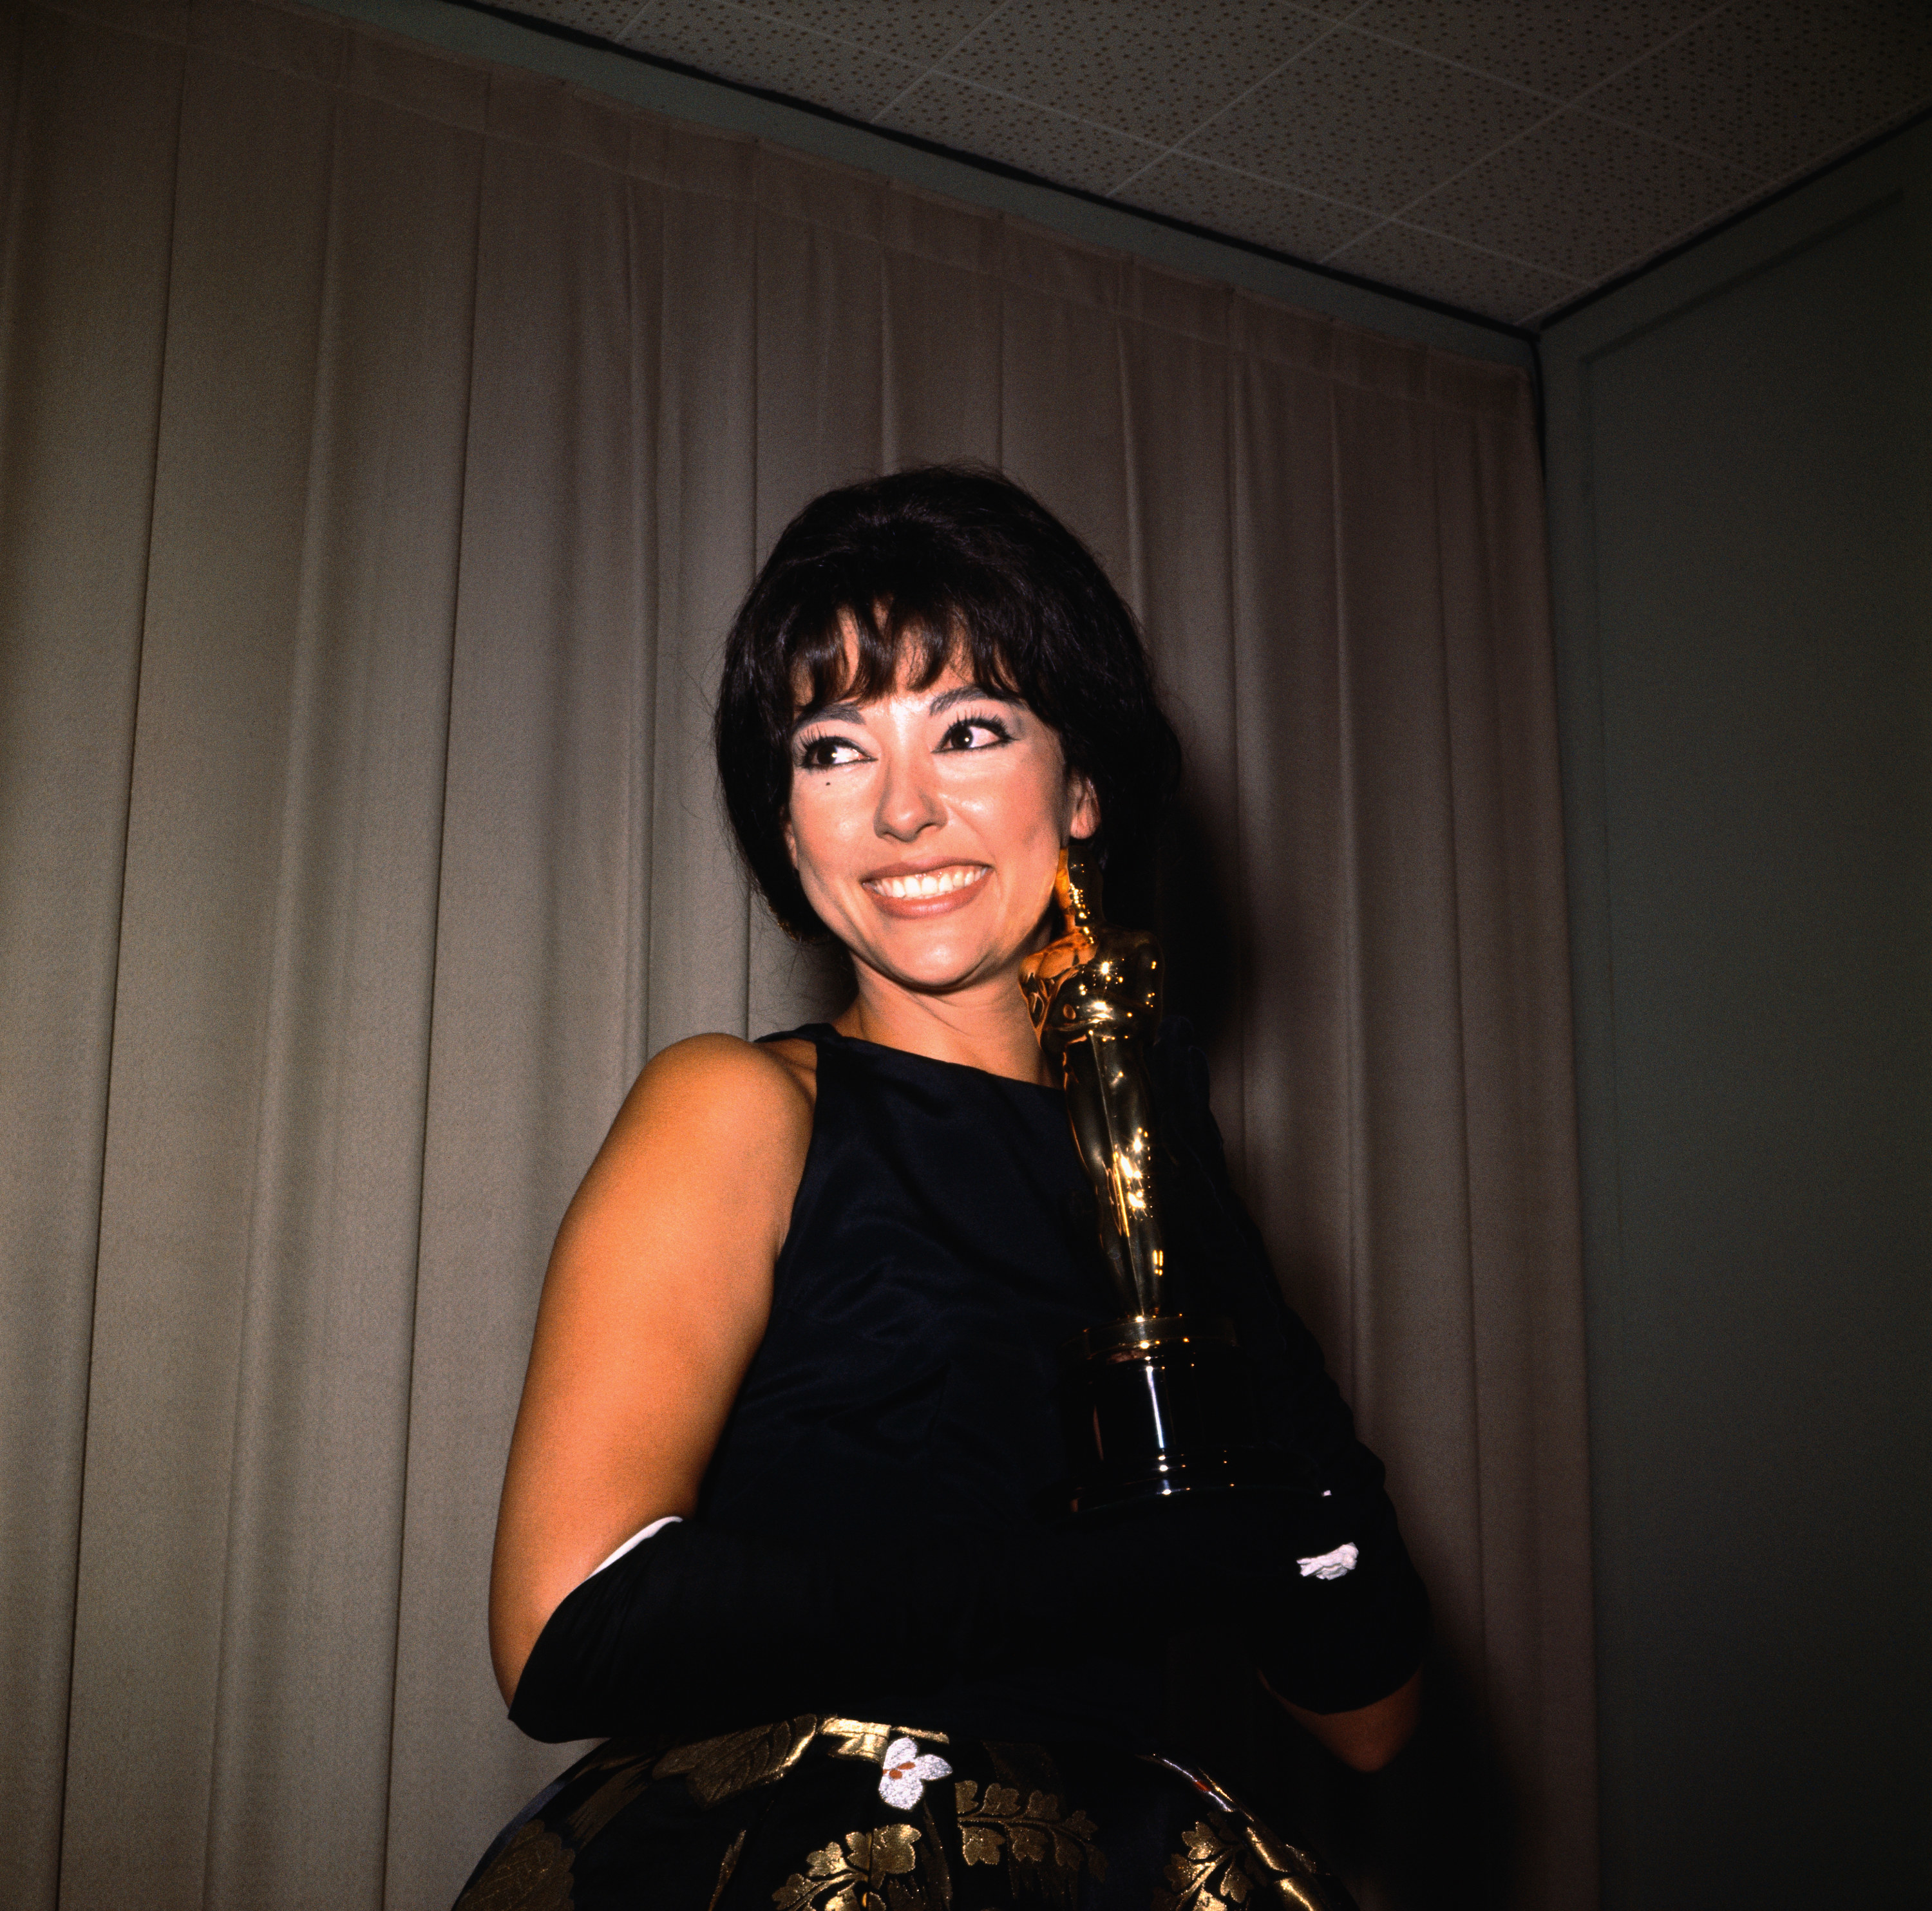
point(921, 866)
point(917, 908)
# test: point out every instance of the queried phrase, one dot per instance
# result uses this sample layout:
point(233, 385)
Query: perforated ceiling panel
point(1505, 155)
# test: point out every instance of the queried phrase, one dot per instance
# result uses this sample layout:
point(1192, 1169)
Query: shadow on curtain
point(384, 443)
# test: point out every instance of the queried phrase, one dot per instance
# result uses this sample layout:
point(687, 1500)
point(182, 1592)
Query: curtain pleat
point(385, 440)
point(89, 136)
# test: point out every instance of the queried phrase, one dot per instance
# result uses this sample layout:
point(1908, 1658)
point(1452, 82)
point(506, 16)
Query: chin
point(935, 978)
point(934, 969)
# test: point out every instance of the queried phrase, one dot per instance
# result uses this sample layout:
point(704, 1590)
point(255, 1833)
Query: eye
point(828, 751)
point(980, 732)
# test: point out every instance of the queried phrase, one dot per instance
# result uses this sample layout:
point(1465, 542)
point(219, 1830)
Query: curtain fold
point(385, 440)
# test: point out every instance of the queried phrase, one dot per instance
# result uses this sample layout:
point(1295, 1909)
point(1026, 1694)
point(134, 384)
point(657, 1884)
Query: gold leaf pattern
point(980, 1844)
point(716, 1769)
point(1310, 1895)
point(629, 1776)
point(726, 1867)
point(845, 1870)
point(859, 1738)
point(1028, 1843)
point(1223, 1865)
point(1277, 1854)
point(932, 1859)
point(1033, 1834)
point(893, 1848)
point(1227, 1861)
point(531, 1873)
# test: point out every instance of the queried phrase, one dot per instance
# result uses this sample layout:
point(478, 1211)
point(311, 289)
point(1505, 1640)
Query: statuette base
point(1154, 1406)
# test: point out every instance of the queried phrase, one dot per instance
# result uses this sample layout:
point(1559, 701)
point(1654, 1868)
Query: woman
point(776, 1514)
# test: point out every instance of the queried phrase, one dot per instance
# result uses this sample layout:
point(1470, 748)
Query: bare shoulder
point(711, 1118)
point(723, 1081)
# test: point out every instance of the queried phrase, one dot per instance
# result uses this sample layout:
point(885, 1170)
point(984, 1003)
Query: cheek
point(1057, 803)
point(1023, 809)
point(819, 820)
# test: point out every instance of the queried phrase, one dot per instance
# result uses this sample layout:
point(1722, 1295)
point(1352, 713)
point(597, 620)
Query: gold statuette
point(1156, 1402)
point(1094, 996)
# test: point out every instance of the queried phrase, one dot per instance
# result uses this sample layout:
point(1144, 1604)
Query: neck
point(983, 1025)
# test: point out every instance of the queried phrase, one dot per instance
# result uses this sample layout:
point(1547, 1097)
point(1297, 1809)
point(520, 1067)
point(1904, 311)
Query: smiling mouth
point(928, 883)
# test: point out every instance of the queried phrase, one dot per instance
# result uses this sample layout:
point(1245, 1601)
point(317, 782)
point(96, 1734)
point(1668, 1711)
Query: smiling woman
point(922, 827)
point(776, 1483)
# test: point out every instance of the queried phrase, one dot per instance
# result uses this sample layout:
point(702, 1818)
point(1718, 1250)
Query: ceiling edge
point(482, 31)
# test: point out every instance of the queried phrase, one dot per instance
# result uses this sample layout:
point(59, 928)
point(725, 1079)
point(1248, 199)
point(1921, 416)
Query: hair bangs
point(855, 650)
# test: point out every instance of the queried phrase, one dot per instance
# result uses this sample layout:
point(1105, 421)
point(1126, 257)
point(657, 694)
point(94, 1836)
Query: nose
point(909, 800)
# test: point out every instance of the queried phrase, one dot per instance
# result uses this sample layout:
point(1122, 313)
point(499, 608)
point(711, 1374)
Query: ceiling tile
point(1053, 144)
point(1244, 207)
point(1301, 123)
point(1359, 120)
point(1778, 84)
point(920, 31)
point(1557, 46)
point(1153, 68)
point(1458, 274)
point(733, 45)
point(1582, 197)
point(607, 18)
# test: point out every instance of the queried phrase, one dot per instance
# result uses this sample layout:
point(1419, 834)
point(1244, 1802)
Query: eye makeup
point(958, 733)
point(824, 749)
point(818, 745)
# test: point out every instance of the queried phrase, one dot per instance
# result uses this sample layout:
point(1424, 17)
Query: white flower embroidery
point(908, 1771)
point(1331, 1565)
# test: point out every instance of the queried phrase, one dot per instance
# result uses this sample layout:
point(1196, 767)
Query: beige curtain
point(384, 441)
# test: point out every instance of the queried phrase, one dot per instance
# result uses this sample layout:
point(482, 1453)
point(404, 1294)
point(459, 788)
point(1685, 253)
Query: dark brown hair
point(944, 562)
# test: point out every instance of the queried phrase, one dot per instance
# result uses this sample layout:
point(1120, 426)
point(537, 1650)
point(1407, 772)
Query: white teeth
point(931, 882)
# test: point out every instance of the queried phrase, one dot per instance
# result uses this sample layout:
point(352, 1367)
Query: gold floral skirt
point(838, 1814)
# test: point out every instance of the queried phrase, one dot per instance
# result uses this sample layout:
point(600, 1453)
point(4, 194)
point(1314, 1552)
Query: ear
point(1086, 816)
point(790, 837)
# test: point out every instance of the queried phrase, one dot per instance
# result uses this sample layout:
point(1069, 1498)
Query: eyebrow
point(854, 713)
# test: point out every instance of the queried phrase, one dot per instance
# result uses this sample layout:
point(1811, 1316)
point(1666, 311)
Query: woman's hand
point(1319, 1592)
point(1369, 1737)
point(658, 1294)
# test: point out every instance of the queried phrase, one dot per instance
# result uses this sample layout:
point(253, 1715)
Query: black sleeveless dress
point(942, 1247)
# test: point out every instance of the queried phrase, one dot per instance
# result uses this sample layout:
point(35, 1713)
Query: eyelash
point(809, 750)
point(979, 721)
point(815, 752)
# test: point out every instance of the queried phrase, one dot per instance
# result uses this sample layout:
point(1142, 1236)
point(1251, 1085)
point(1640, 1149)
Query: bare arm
point(658, 1294)
point(1370, 1735)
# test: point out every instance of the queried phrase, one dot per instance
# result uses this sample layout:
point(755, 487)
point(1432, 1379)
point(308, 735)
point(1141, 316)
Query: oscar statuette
point(1156, 1402)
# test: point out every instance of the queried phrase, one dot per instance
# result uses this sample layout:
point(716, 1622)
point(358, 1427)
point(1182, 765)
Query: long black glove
point(698, 1630)
point(1339, 1635)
